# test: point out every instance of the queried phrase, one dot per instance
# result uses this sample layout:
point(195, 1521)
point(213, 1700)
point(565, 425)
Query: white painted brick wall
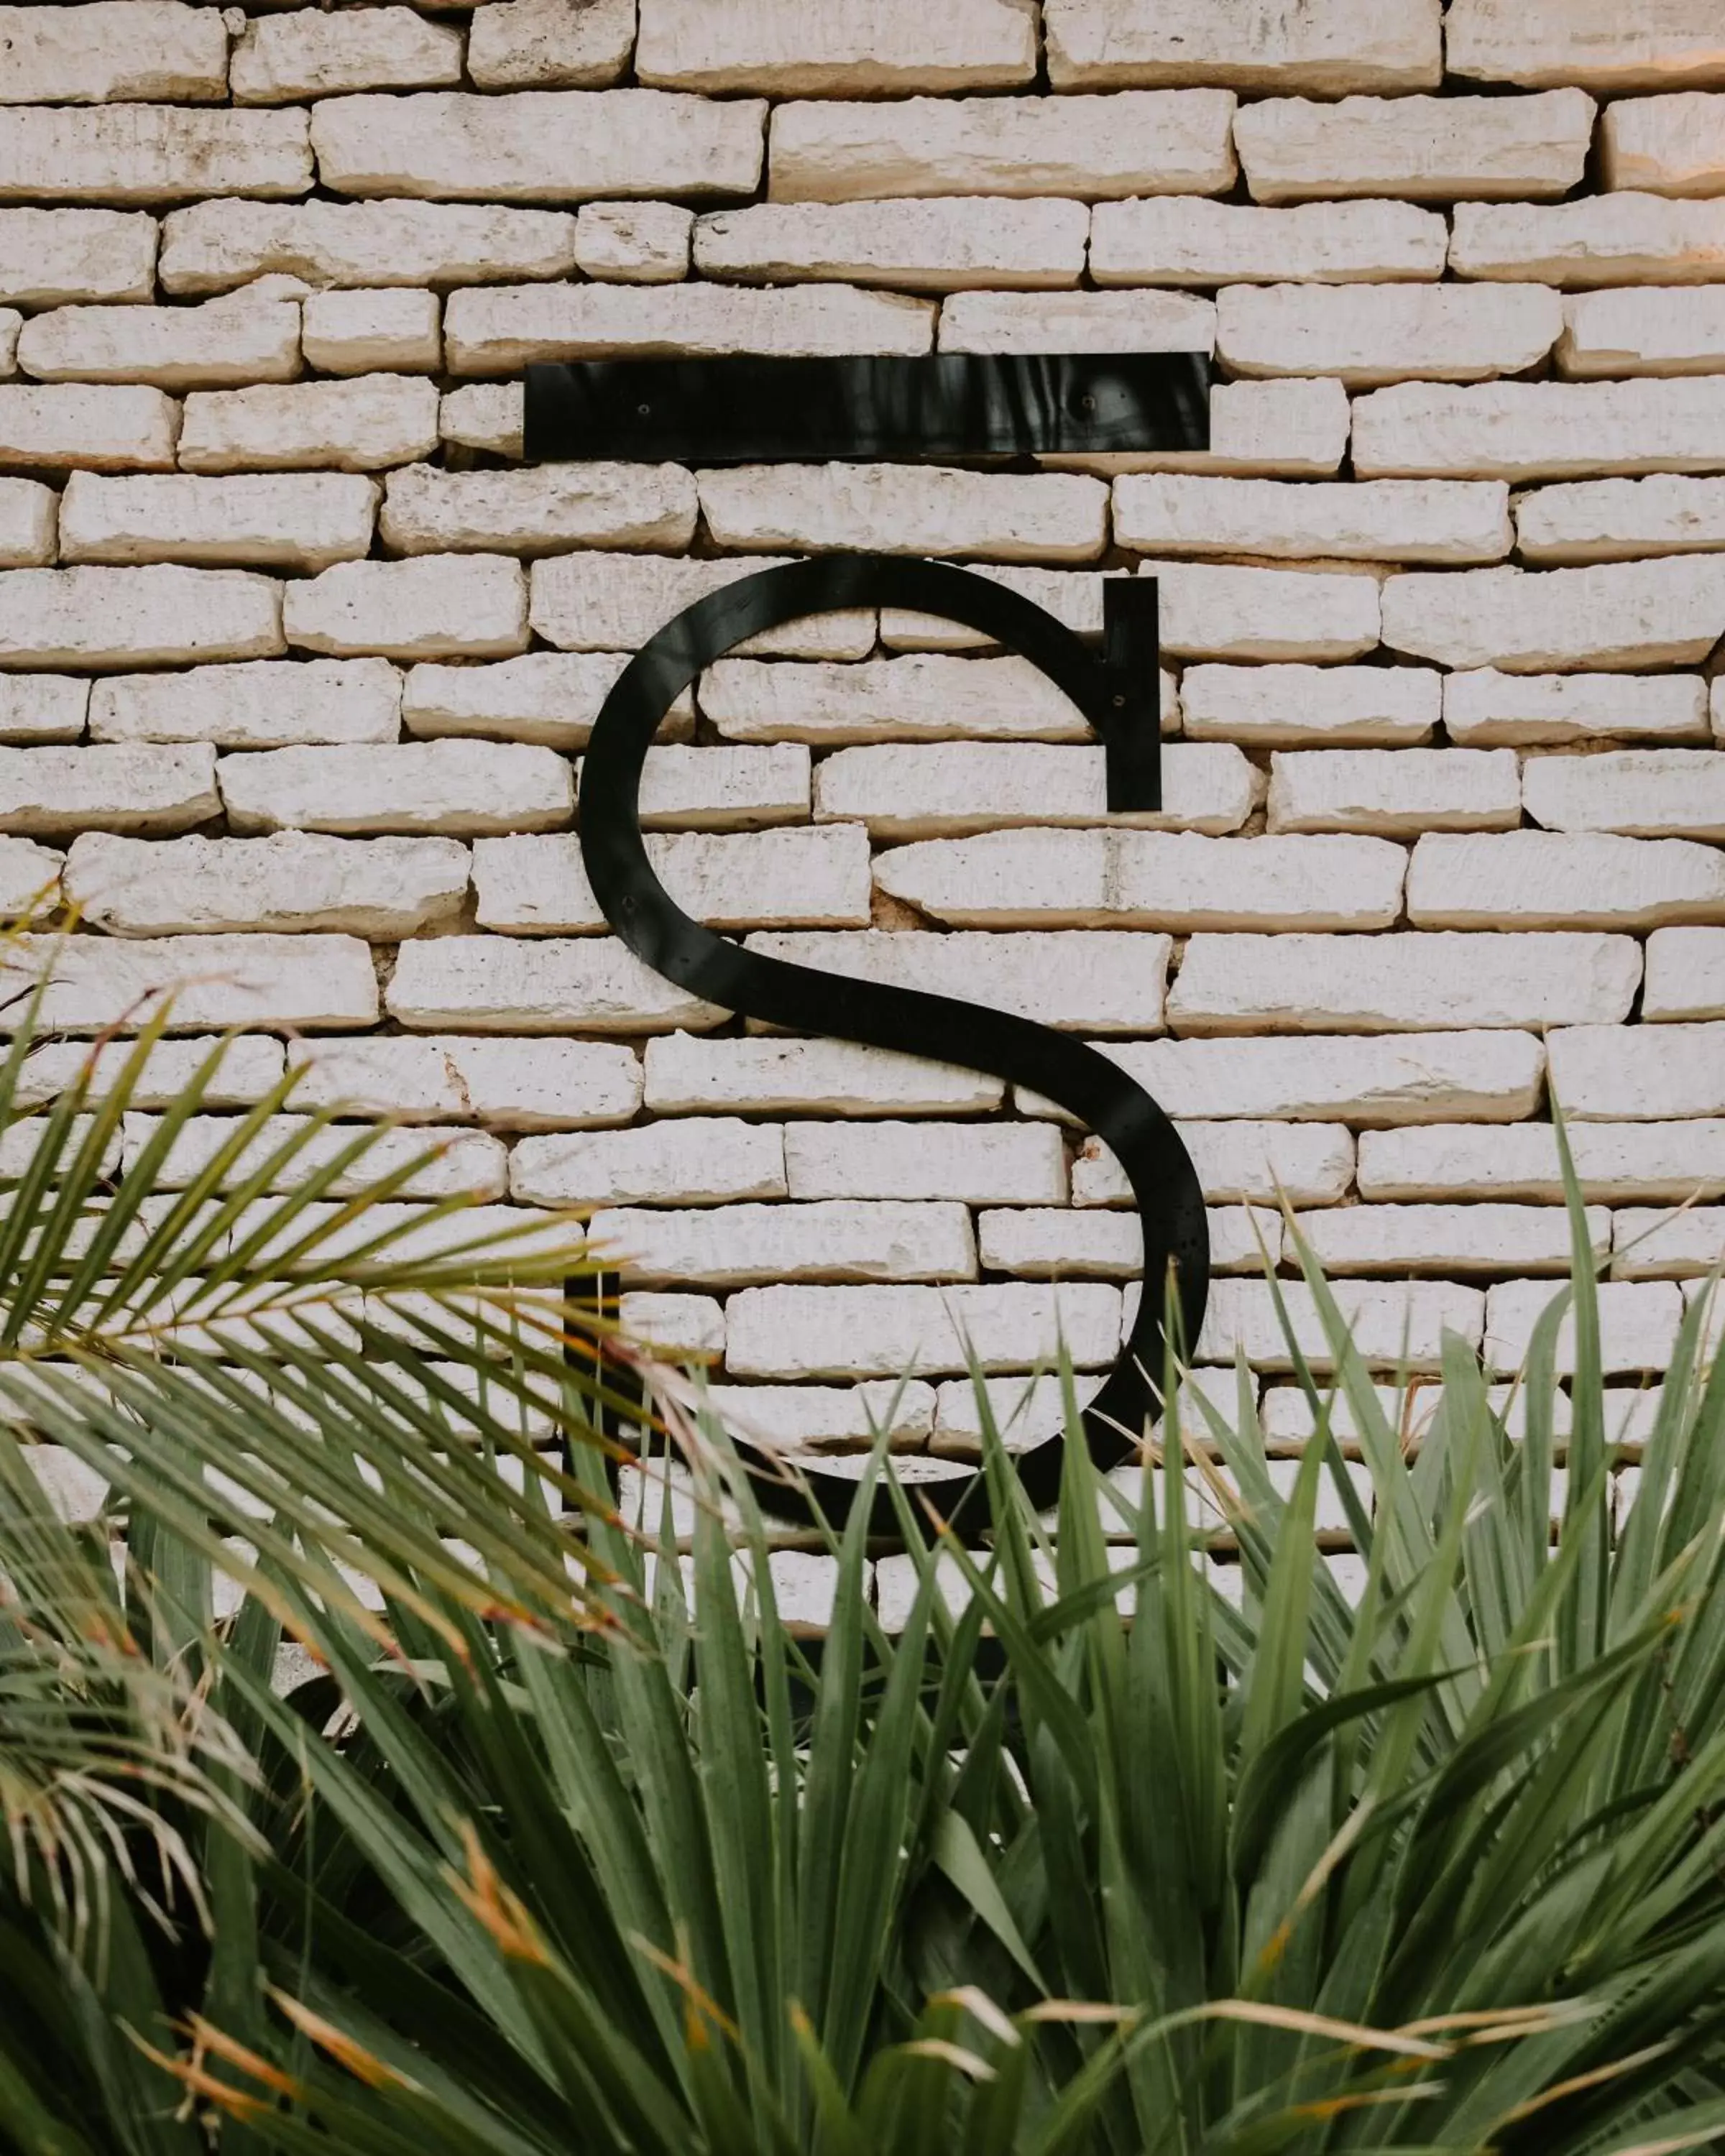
point(298, 658)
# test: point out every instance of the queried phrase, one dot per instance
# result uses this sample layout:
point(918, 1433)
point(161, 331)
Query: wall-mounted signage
point(946, 405)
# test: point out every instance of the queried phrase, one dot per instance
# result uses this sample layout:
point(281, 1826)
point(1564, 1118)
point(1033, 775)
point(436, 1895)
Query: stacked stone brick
point(297, 658)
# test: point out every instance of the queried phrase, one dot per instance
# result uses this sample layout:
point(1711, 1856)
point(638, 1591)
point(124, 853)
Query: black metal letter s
point(1118, 693)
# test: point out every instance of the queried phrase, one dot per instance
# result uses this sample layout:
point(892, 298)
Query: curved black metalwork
point(1118, 693)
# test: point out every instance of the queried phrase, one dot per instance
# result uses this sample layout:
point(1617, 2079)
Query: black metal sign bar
point(760, 410)
point(1116, 690)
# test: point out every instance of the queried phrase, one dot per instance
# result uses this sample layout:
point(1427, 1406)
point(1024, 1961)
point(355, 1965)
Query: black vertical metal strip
point(755, 409)
point(1114, 690)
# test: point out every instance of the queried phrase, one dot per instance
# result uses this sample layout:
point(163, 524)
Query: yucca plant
point(572, 1843)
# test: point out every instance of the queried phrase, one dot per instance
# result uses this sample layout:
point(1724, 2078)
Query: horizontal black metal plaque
point(760, 410)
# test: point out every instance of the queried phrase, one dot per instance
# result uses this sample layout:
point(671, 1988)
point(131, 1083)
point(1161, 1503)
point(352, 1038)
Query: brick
point(687, 1074)
point(215, 246)
point(1524, 430)
point(1396, 792)
point(359, 425)
point(538, 146)
point(1613, 1161)
point(1362, 521)
point(99, 982)
point(160, 616)
point(1212, 611)
point(892, 47)
point(51, 792)
point(1616, 520)
point(1638, 1326)
point(310, 52)
point(800, 877)
point(30, 879)
point(1416, 1078)
point(614, 602)
point(1627, 614)
point(1056, 1244)
point(379, 330)
point(263, 704)
point(952, 790)
point(706, 1161)
point(1309, 1164)
point(1290, 429)
point(232, 341)
point(978, 1164)
point(1074, 596)
point(1146, 321)
point(827, 1418)
point(471, 1163)
point(1402, 984)
point(1643, 330)
point(434, 606)
point(1489, 709)
point(505, 984)
point(1240, 1236)
point(66, 424)
point(381, 888)
point(1652, 792)
point(1666, 146)
point(795, 1331)
point(634, 243)
point(936, 245)
point(563, 44)
point(300, 522)
point(1399, 1324)
point(1685, 974)
point(917, 698)
point(42, 707)
point(723, 789)
point(540, 510)
point(1548, 879)
point(1373, 334)
point(28, 514)
point(1287, 1418)
point(690, 1325)
point(1349, 46)
point(751, 1246)
point(1100, 982)
point(499, 331)
point(54, 258)
point(1591, 42)
point(1656, 1245)
point(485, 415)
point(1426, 149)
point(1443, 1239)
point(150, 153)
point(904, 510)
point(1175, 241)
point(449, 787)
point(1268, 706)
point(509, 1085)
point(1175, 881)
point(1638, 1073)
point(549, 697)
point(1138, 142)
point(114, 49)
point(1597, 239)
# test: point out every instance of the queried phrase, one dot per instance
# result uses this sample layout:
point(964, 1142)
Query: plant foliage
point(566, 1840)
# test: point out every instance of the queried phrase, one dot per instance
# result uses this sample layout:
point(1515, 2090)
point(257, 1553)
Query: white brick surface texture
point(300, 659)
